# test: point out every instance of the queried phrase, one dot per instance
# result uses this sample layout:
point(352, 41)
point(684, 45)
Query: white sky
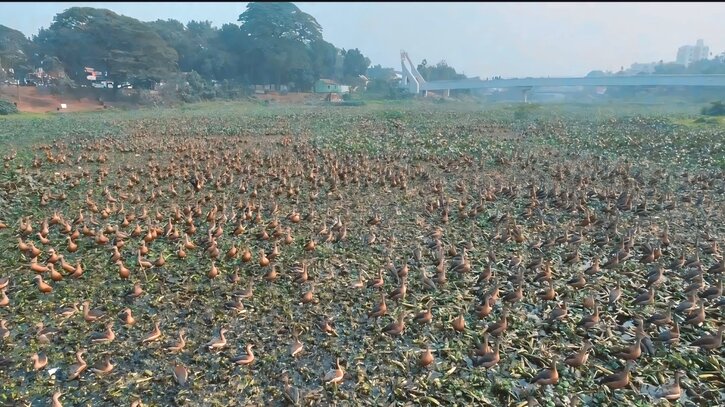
point(480, 39)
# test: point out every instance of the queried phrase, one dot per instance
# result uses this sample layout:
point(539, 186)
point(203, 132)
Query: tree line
point(273, 43)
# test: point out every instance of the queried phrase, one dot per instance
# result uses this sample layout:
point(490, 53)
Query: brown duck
point(499, 327)
point(710, 342)
point(396, 328)
point(619, 379)
point(490, 359)
point(547, 376)
point(579, 358)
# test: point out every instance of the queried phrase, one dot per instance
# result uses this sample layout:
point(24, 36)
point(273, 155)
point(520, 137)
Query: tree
point(707, 67)
point(16, 51)
point(280, 44)
point(126, 48)
point(670, 68)
point(596, 74)
point(200, 47)
point(354, 63)
point(441, 71)
point(279, 20)
point(716, 108)
point(378, 72)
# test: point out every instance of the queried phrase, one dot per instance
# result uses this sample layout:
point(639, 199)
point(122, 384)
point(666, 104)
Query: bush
point(7, 108)
point(715, 109)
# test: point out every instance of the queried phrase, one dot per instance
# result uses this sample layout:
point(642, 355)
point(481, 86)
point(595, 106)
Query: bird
point(670, 336)
point(615, 293)
point(660, 319)
point(579, 358)
point(499, 327)
point(127, 318)
point(4, 299)
point(547, 376)
point(44, 334)
point(180, 344)
point(68, 312)
point(4, 331)
point(619, 379)
point(106, 337)
point(380, 309)
point(424, 317)
point(296, 346)
point(426, 357)
point(75, 370)
point(645, 298)
point(489, 360)
point(245, 359)
point(590, 321)
point(709, 342)
point(633, 352)
point(103, 367)
point(44, 287)
point(56, 399)
point(154, 335)
point(91, 315)
point(181, 373)
point(459, 324)
point(671, 391)
point(697, 316)
point(40, 360)
point(334, 376)
point(396, 328)
point(558, 313)
point(218, 342)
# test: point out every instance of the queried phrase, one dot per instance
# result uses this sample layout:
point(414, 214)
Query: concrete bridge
point(414, 82)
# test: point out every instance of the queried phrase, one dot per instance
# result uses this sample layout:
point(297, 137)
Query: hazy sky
point(480, 39)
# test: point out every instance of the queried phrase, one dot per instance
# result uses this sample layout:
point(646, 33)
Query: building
point(642, 68)
point(688, 54)
point(330, 86)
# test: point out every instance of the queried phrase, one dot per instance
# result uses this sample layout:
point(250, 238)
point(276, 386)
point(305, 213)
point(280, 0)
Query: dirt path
point(32, 101)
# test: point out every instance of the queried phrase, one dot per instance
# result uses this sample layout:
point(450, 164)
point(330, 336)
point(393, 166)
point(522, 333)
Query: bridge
point(414, 82)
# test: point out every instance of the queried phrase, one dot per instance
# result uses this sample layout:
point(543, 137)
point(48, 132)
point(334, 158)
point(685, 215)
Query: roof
point(328, 81)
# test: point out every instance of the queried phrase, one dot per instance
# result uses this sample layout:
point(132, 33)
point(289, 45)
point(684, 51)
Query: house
point(330, 86)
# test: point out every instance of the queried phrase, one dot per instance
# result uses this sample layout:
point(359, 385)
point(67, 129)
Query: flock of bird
point(540, 246)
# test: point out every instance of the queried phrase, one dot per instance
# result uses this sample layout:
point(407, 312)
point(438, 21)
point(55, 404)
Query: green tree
point(354, 63)
point(670, 69)
point(16, 52)
point(280, 44)
point(441, 71)
point(199, 45)
point(378, 72)
point(126, 48)
point(279, 20)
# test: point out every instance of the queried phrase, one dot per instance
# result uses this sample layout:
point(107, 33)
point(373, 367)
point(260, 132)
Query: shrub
point(7, 108)
point(715, 109)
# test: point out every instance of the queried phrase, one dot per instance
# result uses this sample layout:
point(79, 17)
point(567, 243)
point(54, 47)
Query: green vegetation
point(453, 184)
point(715, 109)
point(7, 108)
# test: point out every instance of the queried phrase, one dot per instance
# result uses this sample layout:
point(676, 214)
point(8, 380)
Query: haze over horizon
point(478, 39)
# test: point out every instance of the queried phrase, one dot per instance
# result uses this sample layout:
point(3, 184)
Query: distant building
point(330, 86)
point(688, 54)
point(642, 68)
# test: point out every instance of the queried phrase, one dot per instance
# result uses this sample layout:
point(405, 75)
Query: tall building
point(688, 54)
